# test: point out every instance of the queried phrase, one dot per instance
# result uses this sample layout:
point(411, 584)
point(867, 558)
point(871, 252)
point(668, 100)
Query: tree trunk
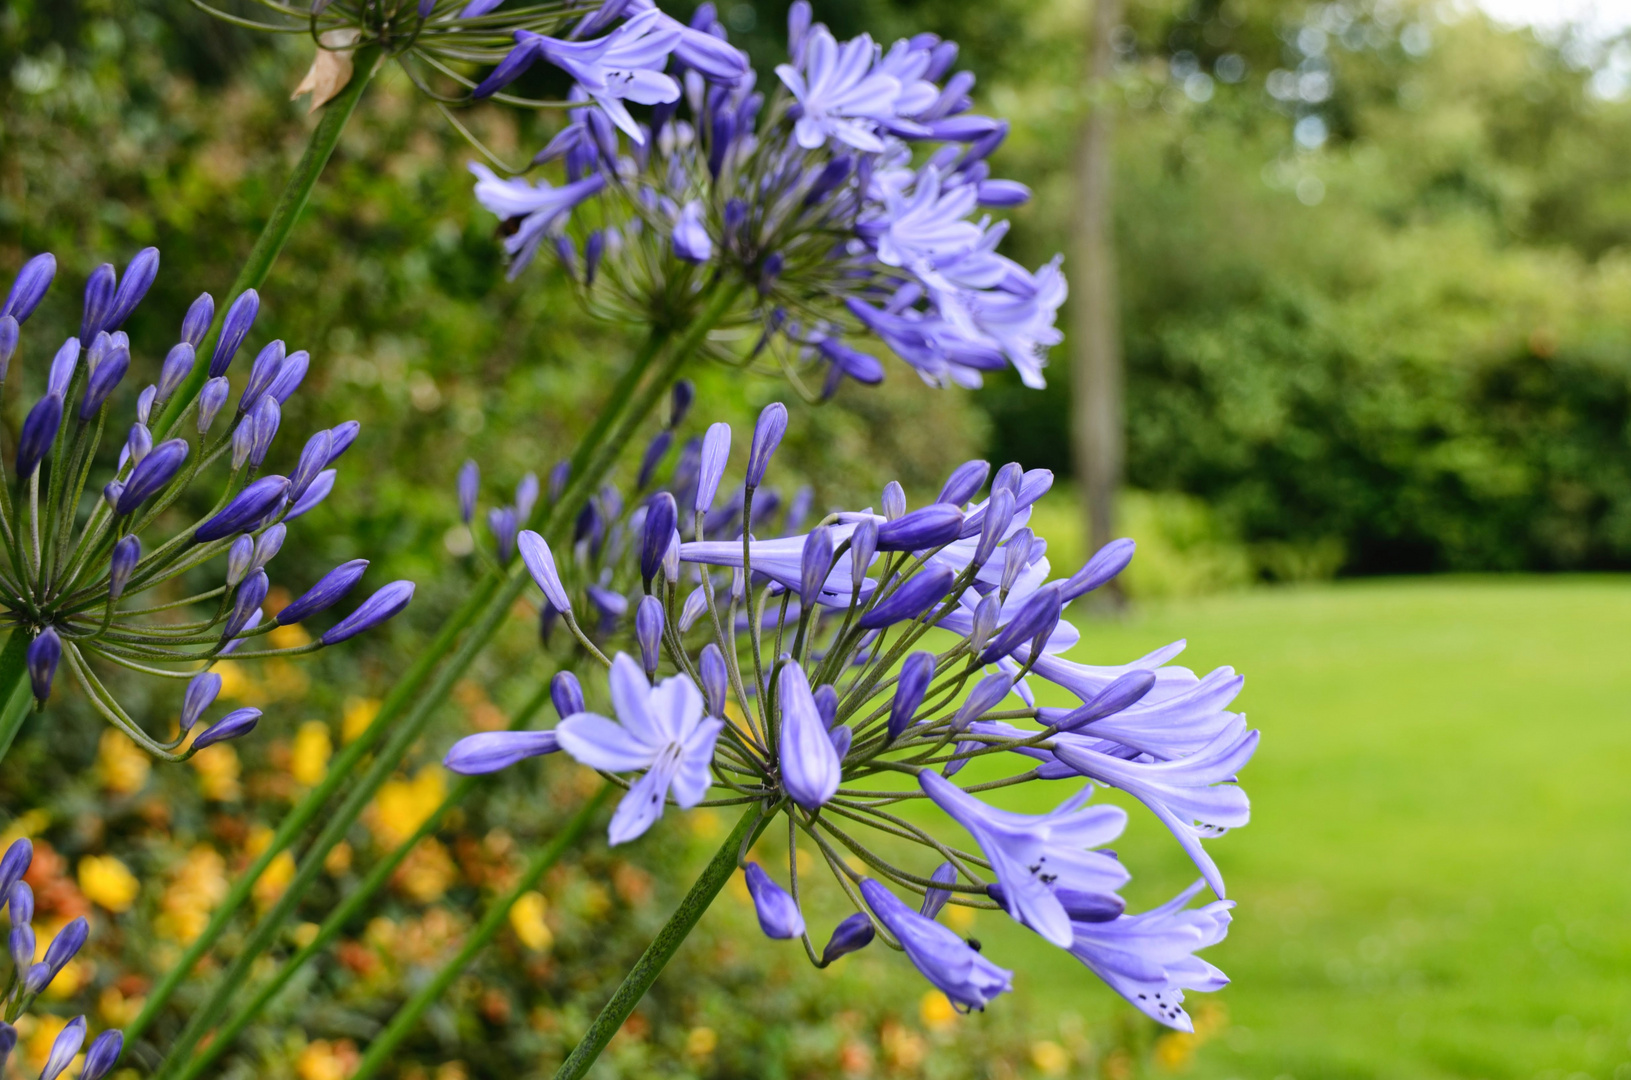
point(1097, 424)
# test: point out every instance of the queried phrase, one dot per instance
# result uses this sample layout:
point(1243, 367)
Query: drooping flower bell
point(847, 201)
point(81, 551)
point(824, 697)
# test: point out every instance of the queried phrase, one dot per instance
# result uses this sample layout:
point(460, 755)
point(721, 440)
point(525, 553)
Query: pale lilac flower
point(539, 209)
point(811, 767)
point(778, 912)
point(659, 729)
point(946, 960)
point(840, 96)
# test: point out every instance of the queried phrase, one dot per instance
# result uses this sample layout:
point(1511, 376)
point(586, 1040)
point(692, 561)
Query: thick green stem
point(349, 908)
point(664, 945)
point(15, 692)
point(296, 193)
point(379, 1051)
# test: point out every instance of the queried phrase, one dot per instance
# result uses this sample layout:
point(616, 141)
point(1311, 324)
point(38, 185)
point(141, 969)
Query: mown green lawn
point(1437, 878)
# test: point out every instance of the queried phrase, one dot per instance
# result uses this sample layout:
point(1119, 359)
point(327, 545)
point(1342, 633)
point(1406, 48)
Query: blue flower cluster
point(71, 571)
point(837, 674)
point(847, 201)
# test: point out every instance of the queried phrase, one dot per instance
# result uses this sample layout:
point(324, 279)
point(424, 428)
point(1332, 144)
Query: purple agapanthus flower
point(537, 208)
point(840, 96)
point(946, 960)
point(660, 729)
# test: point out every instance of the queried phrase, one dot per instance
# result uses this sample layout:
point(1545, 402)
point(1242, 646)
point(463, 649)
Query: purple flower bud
point(723, 132)
point(999, 514)
point(894, 500)
point(65, 946)
point(941, 58)
point(593, 249)
point(21, 941)
point(240, 556)
point(243, 442)
point(1036, 617)
point(810, 766)
point(237, 723)
point(375, 610)
point(911, 600)
point(716, 452)
point(1003, 193)
point(935, 899)
point(490, 751)
point(567, 252)
point(13, 865)
point(122, 564)
point(267, 547)
point(841, 736)
point(926, 527)
point(835, 173)
point(44, 653)
point(210, 400)
point(986, 695)
point(62, 368)
point(526, 496)
point(111, 492)
point(986, 614)
point(234, 328)
point(330, 589)
point(566, 694)
point(104, 379)
point(102, 1056)
point(156, 469)
point(771, 271)
point(65, 1048)
point(144, 404)
point(1009, 476)
point(248, 601)
point(964, 482)
point(236, 643)
point(778, 912)
point(661, 516)
point(289, 376)
point(98, 301)
point(798, 27)
point(767, 436)
point(715, 679)
point(318, 452)
point(1017, 556)
point(341, 436)
point(558, 476)
point(202, 691)
point(863, 547)
point(541, 565)
point(29, 288)
point(39, 432)
point(818, 555)
point(469, 483)
point(691, 241)
point(851, 935)
point(250, 505)
point(915, 675)
point(315, 494)
point(502, 524)
point(1105, 564)
point(655, 452)
point(648, 630)
point(267, 417)
point(137, 446)
point(8, 1043)
point(20, 900)
point(197, 321)
point(261, 374)
point(826, 703)
point(680, 399)
point(1123, 692)
point(8, 343)
point(946, 960)
point(139, 275)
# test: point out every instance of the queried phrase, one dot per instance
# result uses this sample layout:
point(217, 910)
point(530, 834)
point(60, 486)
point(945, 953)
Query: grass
point(1437, 879)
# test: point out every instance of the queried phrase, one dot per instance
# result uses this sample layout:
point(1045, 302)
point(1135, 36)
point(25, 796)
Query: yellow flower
point(936, 1011)
point(196, 887)
point(1174, 1049)
point(427, 871)
point(338, 859)
point(323, 1060)
point(1049, 1057)
point(272, 883)
point(902, 1047)
point(700, 1041)
point(107, 881)
point(120, 763)
point(29, 825)
point(289, 637)
point(117, 1010)
point(960, 918)
point(359, 713)
point(527, 920)
point(218, 770)
point(236, 684)
point(403, 805)
point(308, 760)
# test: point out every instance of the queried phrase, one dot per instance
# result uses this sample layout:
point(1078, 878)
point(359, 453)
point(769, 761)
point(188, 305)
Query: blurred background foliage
point(1373, 276)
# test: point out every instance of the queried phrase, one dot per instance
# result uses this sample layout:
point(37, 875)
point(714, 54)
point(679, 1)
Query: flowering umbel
point(81, 550)
point(798, 673)
point(848, 200)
